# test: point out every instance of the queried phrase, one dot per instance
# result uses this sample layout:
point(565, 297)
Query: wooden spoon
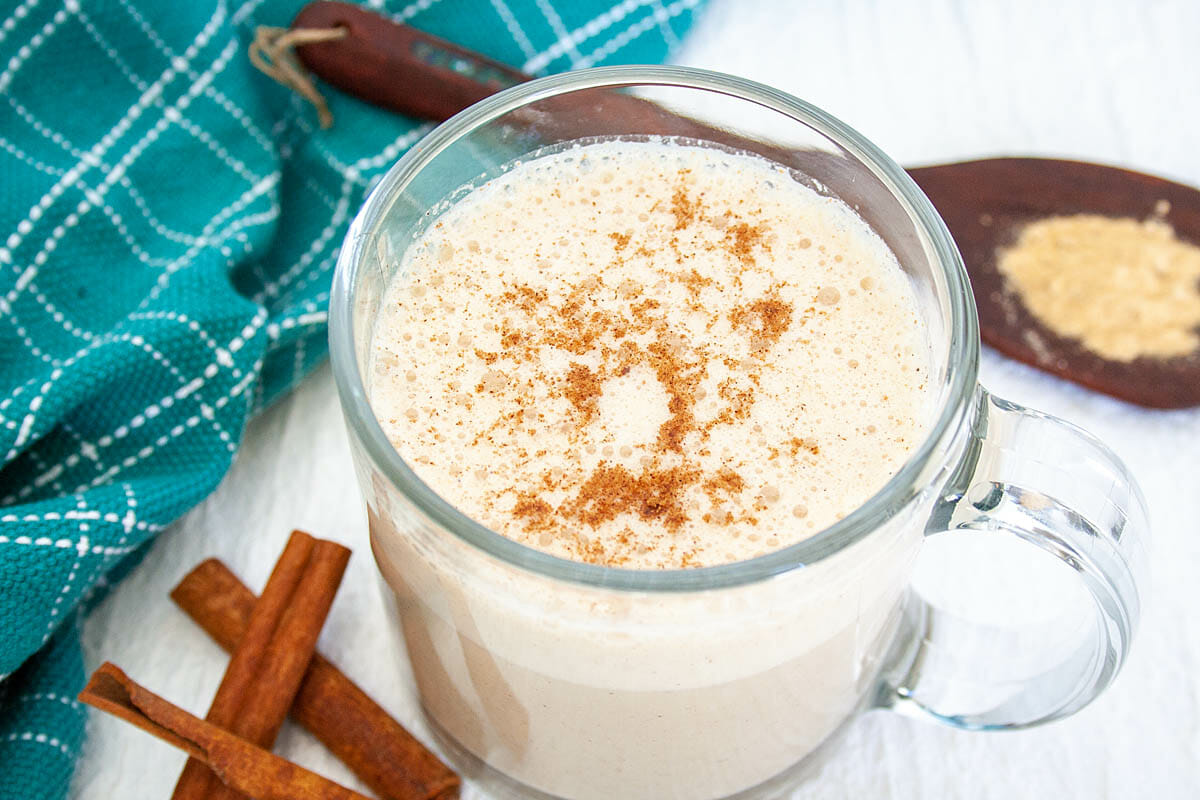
point(984, 203)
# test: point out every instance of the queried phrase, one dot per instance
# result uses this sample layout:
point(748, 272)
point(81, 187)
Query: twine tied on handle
point(273, 52)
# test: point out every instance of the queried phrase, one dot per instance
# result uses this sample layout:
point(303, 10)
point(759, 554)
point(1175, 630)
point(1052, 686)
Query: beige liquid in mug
point(648, 355)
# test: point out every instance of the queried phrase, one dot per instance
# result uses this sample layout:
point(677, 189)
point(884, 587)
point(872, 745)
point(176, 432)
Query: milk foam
point(651, 355)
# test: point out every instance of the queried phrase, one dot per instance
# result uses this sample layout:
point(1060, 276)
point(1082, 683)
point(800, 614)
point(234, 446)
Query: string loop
point(273, 52)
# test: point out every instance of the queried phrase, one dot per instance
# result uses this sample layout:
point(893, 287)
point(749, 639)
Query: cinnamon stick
point(264, 674)
point(331, 706)
point(250, 770)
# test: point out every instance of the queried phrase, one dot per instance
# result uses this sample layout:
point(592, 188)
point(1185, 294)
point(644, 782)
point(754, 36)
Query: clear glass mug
point(544, 677)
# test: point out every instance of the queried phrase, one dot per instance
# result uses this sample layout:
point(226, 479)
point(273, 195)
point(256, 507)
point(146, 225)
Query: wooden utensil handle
point(402, 69)
point(396, 66)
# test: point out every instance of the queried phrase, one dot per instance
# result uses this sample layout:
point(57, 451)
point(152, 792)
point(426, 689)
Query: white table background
point(929, 81)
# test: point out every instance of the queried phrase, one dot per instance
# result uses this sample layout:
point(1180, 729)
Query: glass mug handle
point(1036, 480)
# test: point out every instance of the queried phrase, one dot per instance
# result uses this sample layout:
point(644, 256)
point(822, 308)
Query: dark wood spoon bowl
point(984, 203)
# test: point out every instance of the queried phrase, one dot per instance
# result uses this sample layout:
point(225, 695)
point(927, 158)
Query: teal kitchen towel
point(169, 221)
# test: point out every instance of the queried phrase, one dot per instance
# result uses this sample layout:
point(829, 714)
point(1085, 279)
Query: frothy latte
point(651, 355)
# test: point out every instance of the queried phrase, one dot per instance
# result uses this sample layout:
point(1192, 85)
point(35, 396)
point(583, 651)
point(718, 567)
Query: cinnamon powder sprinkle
point(681, 379)
point(741, 239)
point(797, 444)
point(583, 389)
point(738, 403)
point(694, 281)
point(641, 336)
point(652, 494)
point(656, 492)
point(767, 318)
point(684, 207)
point(621, 240)
point(723, 485)
point(526, 297)
point(616, 367)
point(537, 513)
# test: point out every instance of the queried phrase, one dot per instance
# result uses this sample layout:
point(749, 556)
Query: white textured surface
point(928, 81)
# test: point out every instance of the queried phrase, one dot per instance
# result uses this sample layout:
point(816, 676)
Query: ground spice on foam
point(766, 319)
point(615, 343)
point(537, 513)
point(652, 494)
point(681, 378)
point(723, 485)
point(685, 208)
point(797, 444)
point(742, 239)
point(583, 388)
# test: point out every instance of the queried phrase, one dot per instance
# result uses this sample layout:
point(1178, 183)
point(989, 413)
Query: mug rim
point(956, 389)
